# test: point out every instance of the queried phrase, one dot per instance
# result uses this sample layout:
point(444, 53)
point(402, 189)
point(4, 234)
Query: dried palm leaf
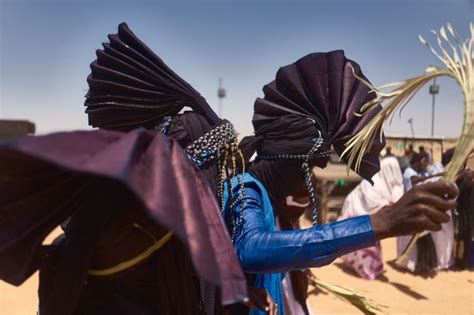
point(458, 62)
point(355, 298)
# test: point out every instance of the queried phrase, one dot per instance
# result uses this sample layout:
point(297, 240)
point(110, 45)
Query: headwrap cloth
point(130, 86)
point(317, 92)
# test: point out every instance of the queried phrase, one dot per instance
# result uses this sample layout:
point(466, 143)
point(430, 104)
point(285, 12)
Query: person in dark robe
point(143, 232)
point(309, 107)
point(190, 129)
point(464, 217)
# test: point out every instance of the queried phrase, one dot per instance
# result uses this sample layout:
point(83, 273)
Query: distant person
point(433, 250)
point(404, 163)
point(438, 168)
point(421, 149)
point(388, 152)
point(464, 220)
point(409, 152)
point(417, 171)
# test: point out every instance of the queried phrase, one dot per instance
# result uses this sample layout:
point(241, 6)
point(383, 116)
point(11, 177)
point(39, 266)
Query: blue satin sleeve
point(262, 250)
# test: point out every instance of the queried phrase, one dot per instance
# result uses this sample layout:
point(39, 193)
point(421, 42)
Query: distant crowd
point(450, 247)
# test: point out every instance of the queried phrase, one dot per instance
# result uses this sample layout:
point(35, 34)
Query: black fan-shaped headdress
point(131, 86)
point(311, 105)
point(317, 92)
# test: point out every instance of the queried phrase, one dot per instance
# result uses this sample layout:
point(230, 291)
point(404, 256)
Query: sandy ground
point(449, 292)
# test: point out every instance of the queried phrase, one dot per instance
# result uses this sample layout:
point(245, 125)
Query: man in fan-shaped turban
point(309, 107)
point(144, 232)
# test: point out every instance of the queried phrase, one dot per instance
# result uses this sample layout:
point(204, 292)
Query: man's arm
point(422, 208)
point(262, 251)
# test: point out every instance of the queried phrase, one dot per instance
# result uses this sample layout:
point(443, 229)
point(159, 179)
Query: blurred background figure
point(417, 171)
point(421, 149)
point(366, 199)
point(409, 152)
point(464, 218)
point(438, 168)
point(388, 152)
point(433, 250)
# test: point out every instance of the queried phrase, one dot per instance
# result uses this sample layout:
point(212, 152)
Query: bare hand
point(259, 298)
point(420, 209)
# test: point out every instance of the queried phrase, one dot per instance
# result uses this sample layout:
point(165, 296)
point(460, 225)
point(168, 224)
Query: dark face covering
point(186, 128)
point(289, 135)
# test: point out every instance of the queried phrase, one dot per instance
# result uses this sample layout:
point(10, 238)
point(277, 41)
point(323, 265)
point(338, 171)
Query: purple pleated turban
point(317, 92)
point(130, 87)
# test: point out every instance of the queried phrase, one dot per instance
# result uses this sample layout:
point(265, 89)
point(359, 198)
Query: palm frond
point(458, 65)
point(457, 56)
point(367, 306)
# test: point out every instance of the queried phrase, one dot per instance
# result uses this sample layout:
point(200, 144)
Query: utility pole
point(410, 121)
point(221, 93)
point(434, 89)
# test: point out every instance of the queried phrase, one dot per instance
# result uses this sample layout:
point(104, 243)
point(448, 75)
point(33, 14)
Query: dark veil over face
point(185, 129)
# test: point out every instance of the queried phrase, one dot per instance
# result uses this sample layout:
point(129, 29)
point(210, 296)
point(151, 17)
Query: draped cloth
point(131, 86)
point(43, 177)
point(366, 199)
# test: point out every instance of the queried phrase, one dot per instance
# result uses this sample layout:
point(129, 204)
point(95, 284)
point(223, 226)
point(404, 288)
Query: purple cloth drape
point(41, 179)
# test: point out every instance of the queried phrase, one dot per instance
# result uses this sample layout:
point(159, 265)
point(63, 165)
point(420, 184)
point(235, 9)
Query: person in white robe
point(367, 199)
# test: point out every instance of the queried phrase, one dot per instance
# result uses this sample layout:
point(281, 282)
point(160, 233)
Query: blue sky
point(47, 46)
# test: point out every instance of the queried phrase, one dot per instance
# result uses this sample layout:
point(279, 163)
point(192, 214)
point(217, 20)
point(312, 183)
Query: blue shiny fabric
point(268, 253)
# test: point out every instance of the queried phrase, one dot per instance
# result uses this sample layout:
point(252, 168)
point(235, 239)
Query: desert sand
point(449, 292)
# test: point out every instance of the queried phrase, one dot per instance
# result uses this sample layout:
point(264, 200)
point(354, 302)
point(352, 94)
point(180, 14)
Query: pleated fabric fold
point(130, 86)
point(321, 87)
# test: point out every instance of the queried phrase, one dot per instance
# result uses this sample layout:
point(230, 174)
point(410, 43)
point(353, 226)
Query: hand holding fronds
point(457, 57)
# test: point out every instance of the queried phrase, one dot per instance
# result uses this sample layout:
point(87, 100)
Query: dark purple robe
point(45, 179)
